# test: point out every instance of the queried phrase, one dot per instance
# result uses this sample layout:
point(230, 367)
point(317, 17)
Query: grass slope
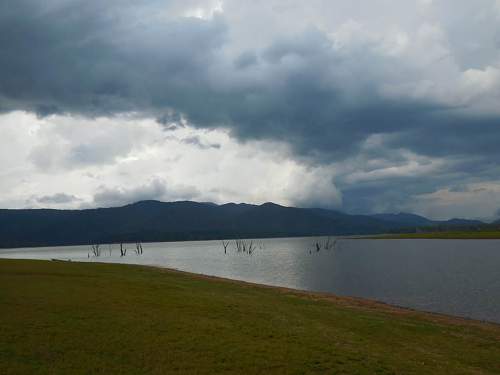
point(463, 235)
point(76, 318)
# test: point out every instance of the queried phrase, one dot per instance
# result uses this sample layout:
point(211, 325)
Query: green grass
point(463, 235)
point(77, 318)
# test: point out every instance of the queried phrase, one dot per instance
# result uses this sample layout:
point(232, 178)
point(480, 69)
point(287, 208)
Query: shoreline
point(362, 303)
point(476, 235)
point(346, 301)
point(81, 317)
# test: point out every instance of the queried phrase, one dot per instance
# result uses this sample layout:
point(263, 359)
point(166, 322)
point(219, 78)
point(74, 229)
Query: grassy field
point(77, 318)
point(463, 235)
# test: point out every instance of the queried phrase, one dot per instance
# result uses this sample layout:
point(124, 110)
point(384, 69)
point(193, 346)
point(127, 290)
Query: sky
point(360, 106)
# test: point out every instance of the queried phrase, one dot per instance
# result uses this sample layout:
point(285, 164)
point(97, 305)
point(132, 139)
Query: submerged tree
point(96, 250)
point(138, 247)
point(247, 247)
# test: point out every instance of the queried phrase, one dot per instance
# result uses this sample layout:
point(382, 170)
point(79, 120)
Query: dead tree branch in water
point(123, 251)
point(138, 247)
point(96, 250)
point(251, 248)
point(238, 245)
point(243, 246)
point(327, 244)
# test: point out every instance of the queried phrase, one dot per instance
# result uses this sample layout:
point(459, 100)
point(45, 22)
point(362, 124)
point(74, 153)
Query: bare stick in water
point(225, 244)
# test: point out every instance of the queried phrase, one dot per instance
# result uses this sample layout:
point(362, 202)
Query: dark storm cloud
point(245, 60)
point(59, 198)
point(170, 120)
point(381, 196)
point(91, 58)
point(198, 142)
point(100, 58)
point(96, 58)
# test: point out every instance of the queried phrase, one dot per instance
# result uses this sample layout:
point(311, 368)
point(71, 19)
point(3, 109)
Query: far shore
point(464, 235)
point(452, 235)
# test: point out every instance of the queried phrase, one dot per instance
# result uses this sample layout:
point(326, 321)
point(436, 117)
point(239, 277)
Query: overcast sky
point(362, 106)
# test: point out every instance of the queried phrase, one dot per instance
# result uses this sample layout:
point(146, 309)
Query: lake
point(455, 277)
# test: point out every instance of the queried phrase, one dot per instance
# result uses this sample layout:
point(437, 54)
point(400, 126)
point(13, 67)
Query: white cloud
point(496, 7)
point(204, 10)
point(476, 200)
point(124, 159)
point(155, 189)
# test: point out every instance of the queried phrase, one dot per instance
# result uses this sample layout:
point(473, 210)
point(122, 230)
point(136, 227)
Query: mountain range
point(150, 221)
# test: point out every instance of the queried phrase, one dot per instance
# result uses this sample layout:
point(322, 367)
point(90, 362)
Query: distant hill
point(406, 220)
point(161, 221)
point(461, 222)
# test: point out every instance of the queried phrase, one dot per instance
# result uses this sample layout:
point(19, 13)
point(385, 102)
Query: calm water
point(455, 277)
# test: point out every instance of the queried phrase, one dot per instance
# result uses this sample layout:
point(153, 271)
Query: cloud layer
point(395, 99)
point(67, 162)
